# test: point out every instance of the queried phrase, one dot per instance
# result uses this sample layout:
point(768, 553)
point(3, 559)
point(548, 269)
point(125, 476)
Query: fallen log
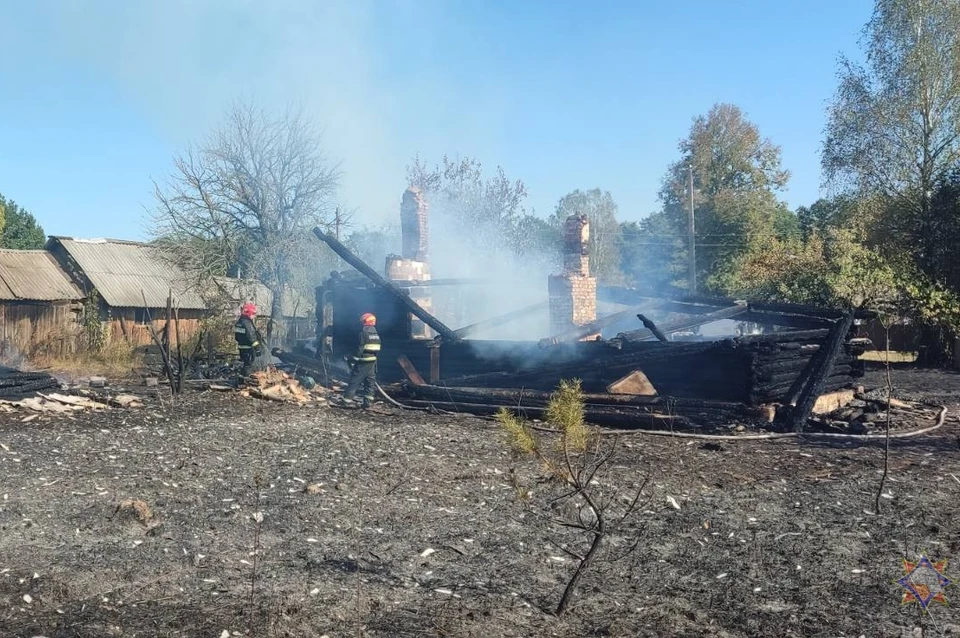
point(793, 364)
point(789, 376)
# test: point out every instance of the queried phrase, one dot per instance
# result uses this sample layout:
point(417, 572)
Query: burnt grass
point(771, 538)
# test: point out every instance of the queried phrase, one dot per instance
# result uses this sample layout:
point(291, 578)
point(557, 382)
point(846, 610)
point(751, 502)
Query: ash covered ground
point(410, 524)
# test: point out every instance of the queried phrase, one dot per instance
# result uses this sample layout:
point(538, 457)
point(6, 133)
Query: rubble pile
point(18, 384)
point(867, 413)
point(277, 385)
point(56, 403)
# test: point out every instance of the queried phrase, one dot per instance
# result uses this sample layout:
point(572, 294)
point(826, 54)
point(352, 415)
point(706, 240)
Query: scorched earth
point(219, 515)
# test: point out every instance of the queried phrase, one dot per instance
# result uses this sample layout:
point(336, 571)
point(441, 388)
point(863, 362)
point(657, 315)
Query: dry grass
point(116, 359)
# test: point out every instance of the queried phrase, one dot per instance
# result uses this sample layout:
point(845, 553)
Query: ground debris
point(53, 403)
point(134, 509)
point(276, 385)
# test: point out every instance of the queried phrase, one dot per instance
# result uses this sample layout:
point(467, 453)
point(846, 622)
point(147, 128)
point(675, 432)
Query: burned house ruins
point(635, 376)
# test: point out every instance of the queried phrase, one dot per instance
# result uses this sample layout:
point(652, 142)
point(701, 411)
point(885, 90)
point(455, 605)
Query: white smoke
point(511, 282)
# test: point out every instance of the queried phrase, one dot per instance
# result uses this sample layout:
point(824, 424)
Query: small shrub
point(518, 435)
point(565, 411)
point(94, 330)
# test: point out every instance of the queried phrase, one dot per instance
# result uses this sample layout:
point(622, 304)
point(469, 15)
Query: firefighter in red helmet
point(364, 363)
point(249, 339)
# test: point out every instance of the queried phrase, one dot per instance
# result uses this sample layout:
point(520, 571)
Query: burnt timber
point(701, 381)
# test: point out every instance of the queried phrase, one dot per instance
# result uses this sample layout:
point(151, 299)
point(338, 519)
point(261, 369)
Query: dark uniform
point(364, 367)
point(248, 341)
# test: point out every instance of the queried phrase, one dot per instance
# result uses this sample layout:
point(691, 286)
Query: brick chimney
point(573, 294)
point(413, 225)
point(413, 263)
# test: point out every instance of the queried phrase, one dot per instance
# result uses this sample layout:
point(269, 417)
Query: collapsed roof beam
point(587, 329)
point(438, 326)
point(495, 322)
point(685, 324)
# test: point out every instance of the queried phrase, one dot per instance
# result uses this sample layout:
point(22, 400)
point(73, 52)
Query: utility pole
point(336, 230)
point(691, 239)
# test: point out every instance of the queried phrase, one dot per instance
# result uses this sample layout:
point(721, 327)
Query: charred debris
point(793, 361)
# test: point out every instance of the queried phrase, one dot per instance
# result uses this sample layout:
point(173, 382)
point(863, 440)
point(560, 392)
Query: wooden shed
point(39, 306)
point(132, 283)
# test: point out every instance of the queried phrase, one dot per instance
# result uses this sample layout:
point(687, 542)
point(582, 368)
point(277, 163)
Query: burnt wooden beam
point(434, 362)
point(410, 370)
point(779, 338)
point(652, 327)
point(587, 329)
point(344, 253)
point(786, 320)
point(525, 396)
point(820, 370)
point(812, 311)
point(683, 324)
point(498, 321)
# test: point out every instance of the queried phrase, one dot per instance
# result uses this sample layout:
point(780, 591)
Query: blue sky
point(97, 97)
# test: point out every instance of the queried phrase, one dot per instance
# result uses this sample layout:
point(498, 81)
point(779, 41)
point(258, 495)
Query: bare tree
point(244, 202)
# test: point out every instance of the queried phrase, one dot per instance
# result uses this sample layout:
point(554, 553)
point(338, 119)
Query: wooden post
point(167, 327)
point(434, 362)
point(814, 379)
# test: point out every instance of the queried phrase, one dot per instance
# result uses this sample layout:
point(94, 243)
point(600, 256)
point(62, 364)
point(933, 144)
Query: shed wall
point(32, 329)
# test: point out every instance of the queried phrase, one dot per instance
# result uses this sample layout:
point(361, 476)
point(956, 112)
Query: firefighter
point(249, 339)
point(364, 363)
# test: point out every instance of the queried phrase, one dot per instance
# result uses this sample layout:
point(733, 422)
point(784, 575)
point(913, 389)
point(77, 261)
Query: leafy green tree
point(648, 256)
point(825, 214)
point(606, 237)
point(20, 229)
point(830, 269)
point(894, 133)
point(736, 175)
point(537, 240)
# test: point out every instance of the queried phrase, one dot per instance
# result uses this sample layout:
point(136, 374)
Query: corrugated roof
point(124, 272)
point(34, 275)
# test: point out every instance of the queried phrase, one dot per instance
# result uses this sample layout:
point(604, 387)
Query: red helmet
point(248, 310)
point(368, 319)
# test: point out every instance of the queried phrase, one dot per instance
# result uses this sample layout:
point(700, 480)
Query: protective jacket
point(246, 334)
point(369, 346)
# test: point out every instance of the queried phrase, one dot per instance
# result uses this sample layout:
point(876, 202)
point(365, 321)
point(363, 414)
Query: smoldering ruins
point(696, 362)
